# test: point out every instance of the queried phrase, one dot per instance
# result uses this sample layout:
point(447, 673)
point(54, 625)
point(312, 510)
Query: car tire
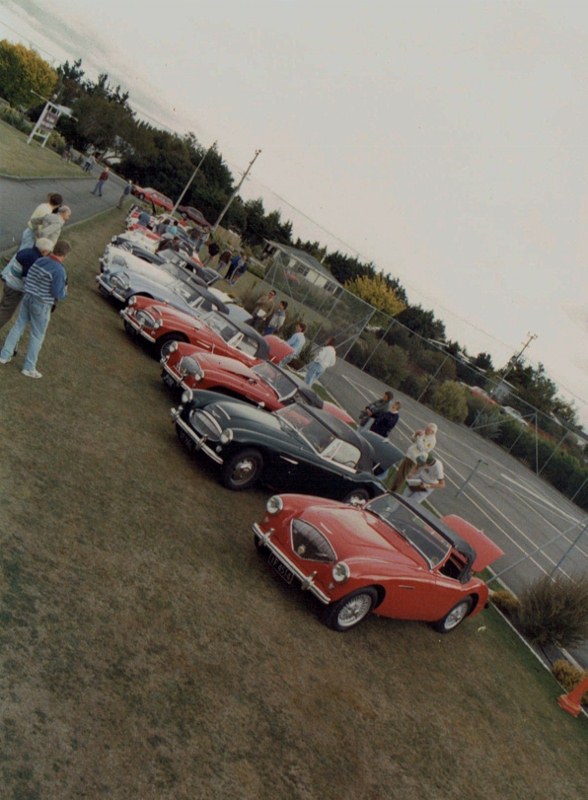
point(358, 495)
point(242, 470)
point(350, 610)
point(455, 616)
point(163, 340)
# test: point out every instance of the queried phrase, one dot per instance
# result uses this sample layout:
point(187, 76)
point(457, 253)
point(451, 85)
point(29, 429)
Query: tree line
point(104, 118)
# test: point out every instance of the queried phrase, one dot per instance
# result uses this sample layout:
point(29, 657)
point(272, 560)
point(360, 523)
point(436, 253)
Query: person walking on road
point(324, 359)
point(31, 233)
point(13, 276)
point(102, 178)
point(45, 283)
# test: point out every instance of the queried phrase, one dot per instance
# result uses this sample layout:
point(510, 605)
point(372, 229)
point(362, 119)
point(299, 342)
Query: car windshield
point(282, 385)
point(308, 427)
point(225, 329)
point(405, 521)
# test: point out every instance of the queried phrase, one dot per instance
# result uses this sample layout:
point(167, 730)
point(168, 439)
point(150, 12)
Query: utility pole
point(232, 197)
point(515, 358)
point(187, 186)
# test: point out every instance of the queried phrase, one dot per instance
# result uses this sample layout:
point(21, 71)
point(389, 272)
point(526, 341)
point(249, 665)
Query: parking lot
point(539, 529)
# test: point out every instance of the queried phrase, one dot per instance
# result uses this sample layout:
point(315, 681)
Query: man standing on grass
point(14, 274)
point(296, 341)
point(44, 285)
point(31, 232)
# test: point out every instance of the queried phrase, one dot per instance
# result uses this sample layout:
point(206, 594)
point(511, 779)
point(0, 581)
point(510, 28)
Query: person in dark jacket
point(386, 420)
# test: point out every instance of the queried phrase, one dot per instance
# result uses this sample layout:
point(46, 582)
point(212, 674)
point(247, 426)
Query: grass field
point(31, 160)
point(148, 653)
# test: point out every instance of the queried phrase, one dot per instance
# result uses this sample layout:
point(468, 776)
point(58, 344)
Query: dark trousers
point(9, 303)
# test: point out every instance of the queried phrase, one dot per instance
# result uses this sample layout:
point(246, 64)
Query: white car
point(514, 414)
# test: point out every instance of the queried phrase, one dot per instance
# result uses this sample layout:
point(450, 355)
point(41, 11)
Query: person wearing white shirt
point(424, 480)
point(324, 358)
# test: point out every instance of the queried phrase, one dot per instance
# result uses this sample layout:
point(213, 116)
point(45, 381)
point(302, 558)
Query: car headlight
point(340, 572)
point(189, 366)
point(158, 324)
point(120, 280)
point(172, 347)
point(132, 300)
point(226, 436)
point(187, 395)
point(274, 505)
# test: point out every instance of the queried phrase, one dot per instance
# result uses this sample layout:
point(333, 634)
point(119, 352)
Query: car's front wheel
point(454, 617)
point(242, 470)
point(350, 610)
point(357, 496)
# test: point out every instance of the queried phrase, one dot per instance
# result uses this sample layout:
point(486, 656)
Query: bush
point(486, 425)
point(569, 676)
point(506, 601)
point(555, 611)
point(414, 385)
point(16, 119)
point(449, 399)
point(389, 365)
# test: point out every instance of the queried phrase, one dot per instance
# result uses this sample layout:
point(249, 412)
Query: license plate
point(278, 567)
point(168, 380)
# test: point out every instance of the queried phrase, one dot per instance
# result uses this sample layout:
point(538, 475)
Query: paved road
point(18, 198)
point(517, 509)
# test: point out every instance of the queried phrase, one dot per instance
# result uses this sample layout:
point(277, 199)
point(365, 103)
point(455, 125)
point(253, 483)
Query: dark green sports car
point(297, 448)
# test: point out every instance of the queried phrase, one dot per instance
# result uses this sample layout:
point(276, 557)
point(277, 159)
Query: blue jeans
point(37, 314)
point(98, 188)
point(313, 372)
point(28, 239)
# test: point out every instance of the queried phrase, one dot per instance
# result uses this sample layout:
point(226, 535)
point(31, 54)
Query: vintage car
point(264, 384)
point(160, 324)
point(385, 556)
point(164, 282)
point(295, 448)
point(196, 216)
point(152, 196)
point(125, 254)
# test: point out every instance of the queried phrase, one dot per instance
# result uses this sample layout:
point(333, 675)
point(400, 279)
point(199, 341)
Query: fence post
point(470, 476)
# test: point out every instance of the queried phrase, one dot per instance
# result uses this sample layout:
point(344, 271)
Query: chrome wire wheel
point(454, 617)
point(349, 611)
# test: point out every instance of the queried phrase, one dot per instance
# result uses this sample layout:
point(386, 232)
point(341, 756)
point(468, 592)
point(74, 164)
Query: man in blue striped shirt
point(45, 283)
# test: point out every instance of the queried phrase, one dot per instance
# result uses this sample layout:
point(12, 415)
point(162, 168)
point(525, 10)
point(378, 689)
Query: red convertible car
point(152, 196)
point(385, 556)
point(160, 324)
point(263, 384)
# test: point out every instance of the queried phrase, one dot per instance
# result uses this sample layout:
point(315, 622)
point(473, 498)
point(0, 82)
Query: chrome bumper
point(136, 327)
point(306, 581)
point(200, 442)
point(177, 380)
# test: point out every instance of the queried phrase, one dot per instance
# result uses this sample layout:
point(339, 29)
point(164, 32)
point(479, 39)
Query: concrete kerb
point(22, 179)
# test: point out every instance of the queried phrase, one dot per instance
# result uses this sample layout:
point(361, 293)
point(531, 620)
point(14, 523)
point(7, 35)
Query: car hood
point(226, 364)
point(358, 535)
point(487, 552)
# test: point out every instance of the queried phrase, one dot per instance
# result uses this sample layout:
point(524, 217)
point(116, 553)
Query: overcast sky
point(445, 141)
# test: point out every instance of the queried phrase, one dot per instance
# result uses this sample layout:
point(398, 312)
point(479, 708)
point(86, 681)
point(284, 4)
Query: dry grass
point(147, 652)
point(20, 159)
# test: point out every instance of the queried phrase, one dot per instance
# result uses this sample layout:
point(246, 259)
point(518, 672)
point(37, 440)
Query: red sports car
point(152, 196)
point(385, 556)
point(160, 324)
point(264, 384)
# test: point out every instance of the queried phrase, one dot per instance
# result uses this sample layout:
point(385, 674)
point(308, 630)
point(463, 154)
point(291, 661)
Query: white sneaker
point(31, 373)
point(5, 360)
